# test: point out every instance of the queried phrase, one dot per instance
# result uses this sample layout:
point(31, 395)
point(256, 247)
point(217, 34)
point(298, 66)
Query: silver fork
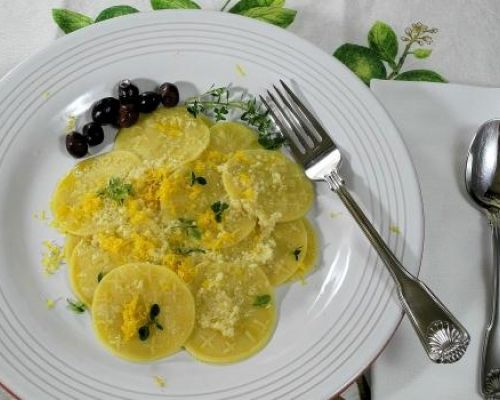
point(442, 336)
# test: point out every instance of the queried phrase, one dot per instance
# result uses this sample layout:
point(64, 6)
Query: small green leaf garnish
point(200, 180)
point(100, 275)
point(117, 190)
point(219, 102)
point(154, 311)
point(218, 208)
point(158, 325)
point(190, 227)
point(296, 253)
point(70, 21)
point(115, 11)
point(262, 301)
point(143, 332)
point(76, 306)
point(185, 251)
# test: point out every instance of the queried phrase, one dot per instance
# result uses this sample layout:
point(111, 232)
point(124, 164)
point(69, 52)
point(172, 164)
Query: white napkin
point(437, 122)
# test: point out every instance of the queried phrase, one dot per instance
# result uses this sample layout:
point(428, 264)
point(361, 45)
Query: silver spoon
point(482, 180)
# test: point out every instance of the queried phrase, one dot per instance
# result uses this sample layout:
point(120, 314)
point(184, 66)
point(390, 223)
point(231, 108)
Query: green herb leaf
point(76, 306)
point(278, 16)
point(190, 227)
point(158, 325)
point(172, 4)
point(273, 142)
point(154, 311)
point(296, 253)
point(117, 190)
point(364, 62)
point(244, 5)
point(100, 275)
point(384, 41)
point(422, 53)
point(200, 180)
point(423, 75)
point(218, 208)
point(185, 251)
point(115, 11)
point(143, 333)
point(70, 21)
point(262, 301)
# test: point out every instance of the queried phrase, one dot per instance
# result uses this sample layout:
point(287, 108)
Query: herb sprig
point(189, 226)
point(185, 251)
point(76, 306)
point(219, 102)
point(144, 331)
point(117, 190)
point(218, 208)
point(296, 253)
point(200, 180)
point(262, 301)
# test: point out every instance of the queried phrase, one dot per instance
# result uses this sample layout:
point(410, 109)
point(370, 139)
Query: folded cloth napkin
point(438, 122)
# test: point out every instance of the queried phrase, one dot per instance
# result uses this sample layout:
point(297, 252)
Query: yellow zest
point(132, 317)
point(52, 257)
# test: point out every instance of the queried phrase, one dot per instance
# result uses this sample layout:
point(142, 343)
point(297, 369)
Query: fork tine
point(301, 128)
point(282, 123)
point(307, 114)
point(292, 127)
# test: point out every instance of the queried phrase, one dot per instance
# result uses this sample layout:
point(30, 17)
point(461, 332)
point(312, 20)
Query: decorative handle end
point(491, 384)
point(446, 343)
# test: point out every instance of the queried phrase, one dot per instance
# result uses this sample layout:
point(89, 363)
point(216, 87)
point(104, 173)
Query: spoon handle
point(490, 374)
point(442, 336)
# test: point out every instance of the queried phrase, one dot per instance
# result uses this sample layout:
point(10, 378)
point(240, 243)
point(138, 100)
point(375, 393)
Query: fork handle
point(442, 336)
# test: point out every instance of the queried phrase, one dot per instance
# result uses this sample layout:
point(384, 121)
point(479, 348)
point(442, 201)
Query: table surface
point(465, 51)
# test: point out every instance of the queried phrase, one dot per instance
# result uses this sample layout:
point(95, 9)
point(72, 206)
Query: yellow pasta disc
point(76, 204)
point(235, 312)
point(196, 193)
point(122, 306)
point(171, 136)
point(228, 137)
point(269, 184)
point(70, 242)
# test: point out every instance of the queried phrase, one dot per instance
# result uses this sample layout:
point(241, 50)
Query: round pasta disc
point(269, 184)
point(76, 204)
point(235, 312)
point(279, 253)
point(311, 254)
point(184, 198)
point(228, 137)
point(88, 265)
point(172, 136)
point(70, 242)
point(122, 305)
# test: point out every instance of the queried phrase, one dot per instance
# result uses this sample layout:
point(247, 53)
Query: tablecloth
point(464, 50)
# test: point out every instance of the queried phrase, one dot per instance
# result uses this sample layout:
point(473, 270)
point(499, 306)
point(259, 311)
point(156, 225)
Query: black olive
point(169, 94)
point(127, 116)
point(77, 145)
point(105, 111)
point(143, 332)
point(154, 311)
point(148, 102)
point(94, 133)
point(128, 93)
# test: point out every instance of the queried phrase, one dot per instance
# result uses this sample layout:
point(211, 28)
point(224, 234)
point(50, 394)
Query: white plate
point(329, 330)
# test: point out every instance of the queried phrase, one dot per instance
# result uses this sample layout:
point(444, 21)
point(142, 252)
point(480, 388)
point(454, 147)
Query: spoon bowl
point(482, 177)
